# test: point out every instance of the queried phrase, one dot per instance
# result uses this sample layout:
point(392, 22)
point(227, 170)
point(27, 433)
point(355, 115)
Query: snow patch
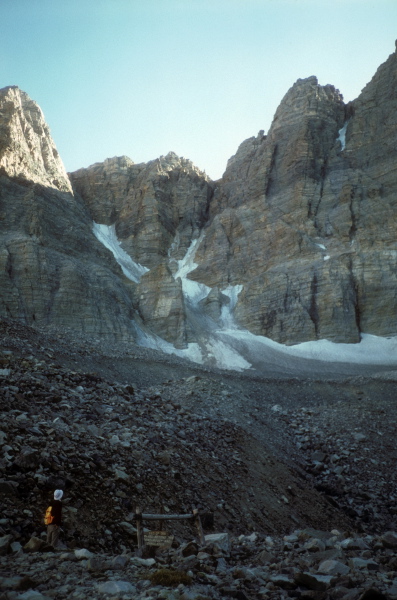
point(342, 135)
point(106, 234)
point(227, 311)
point(153, 341)
point(372, 349)
point(174, 246)
point(226, 357)
point(192, 290)
point(229, 347)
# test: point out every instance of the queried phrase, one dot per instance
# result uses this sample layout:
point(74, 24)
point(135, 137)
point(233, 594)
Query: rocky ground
point(121, 426)
point(305, 564)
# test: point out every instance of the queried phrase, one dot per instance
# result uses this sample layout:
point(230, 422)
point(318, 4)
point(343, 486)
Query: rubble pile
point(296, 476)
point(306, 564)
point(109, 446)
point(352, 458)
point(113, 446)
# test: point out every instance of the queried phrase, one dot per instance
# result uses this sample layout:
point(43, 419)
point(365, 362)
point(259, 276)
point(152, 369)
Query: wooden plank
point(199, 526)
point(148, 517)
point(139, 528)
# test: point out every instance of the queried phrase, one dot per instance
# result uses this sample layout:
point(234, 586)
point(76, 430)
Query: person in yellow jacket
point(54, 528)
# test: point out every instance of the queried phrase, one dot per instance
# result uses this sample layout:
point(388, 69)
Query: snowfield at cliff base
point(229, 353)
point(371, 349)
point(228, 347)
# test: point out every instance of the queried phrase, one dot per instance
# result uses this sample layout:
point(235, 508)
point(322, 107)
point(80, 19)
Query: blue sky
point(143, 77)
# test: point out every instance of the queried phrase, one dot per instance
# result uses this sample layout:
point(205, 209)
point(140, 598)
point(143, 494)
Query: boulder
point(190, 549)
point(263, 558)
point(97, 563)
point(283, 581)
point(116, 588)
point(314, 581)
point(333, 567)
point(5, 543)
point(83, 553)
point(221, 539)
point(389, 539)
point(8, 488)
point(34, 545)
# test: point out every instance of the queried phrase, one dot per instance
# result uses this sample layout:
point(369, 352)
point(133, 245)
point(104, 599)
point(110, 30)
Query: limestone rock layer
point(307, 217)
point(26, 147)
point(303, 221)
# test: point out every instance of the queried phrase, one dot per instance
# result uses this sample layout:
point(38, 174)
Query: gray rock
point(120, 474)
point(283, 581)
point(8, 488)
point(333, 567)
point(33, 595)
point(119, 562)
point(5, 542)
point(34, 544)
point(83, 553)
point(142, 562)
point(264, 557)
point(331, 554)
point(130, 529)
point(389, 539)
point(372, 593)
point(221, 539)
point(315, 545)
point(314, 581)
point(353, 544)
point(361, 563)
point(113, 588)
point(392, 590)
point(16, 547)
point(97, 563)
point(16, 583)
point(190, 549)
point(339, 592)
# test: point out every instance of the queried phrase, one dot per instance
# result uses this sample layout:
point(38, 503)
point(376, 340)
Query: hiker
point(54, 528)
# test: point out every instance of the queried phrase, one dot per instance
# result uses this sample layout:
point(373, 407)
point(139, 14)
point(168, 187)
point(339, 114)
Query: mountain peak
point(27, 150)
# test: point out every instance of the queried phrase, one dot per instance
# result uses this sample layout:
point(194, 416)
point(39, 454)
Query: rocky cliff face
point(26, 147)
point(157, 209)
point(53, 271)
point(306, 217)
point(296, 242)
point(153, 205)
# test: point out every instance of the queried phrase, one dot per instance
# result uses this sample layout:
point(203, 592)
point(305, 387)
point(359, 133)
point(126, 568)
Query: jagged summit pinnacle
point(27, 150)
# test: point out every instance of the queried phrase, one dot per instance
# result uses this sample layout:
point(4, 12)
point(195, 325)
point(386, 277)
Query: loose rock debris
point(113, 444)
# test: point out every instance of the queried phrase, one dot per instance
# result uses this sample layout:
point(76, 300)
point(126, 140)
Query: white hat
point(58, 494)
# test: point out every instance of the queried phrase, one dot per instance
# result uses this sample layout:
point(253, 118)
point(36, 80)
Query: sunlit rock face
point(27, 150)
point(162, 307)
point(305, 217)
point(157, 208)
